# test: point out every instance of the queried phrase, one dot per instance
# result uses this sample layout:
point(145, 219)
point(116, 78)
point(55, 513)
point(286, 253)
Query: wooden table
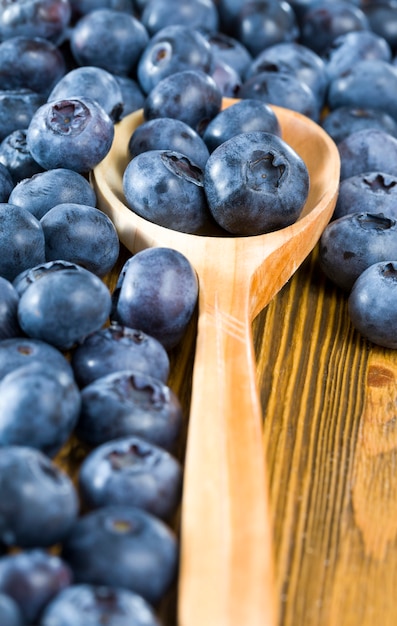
point(329, 401)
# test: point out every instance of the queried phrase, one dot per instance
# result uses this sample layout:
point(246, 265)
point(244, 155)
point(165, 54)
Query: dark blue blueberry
point(352, 243)
point(282, 89)
point(131, 471)
point(82, 7)
point(93, 83)
point(109, 39)
point(368, 150)
point(226, 79)
point(38, 408)
point(293, 58)
point(372, 192)
point(325, 21)
point(118, 347)
point(30, 63)
point(173, 49)
point(127, 403)
point(199, 14)
point(346, 120)
point(158, 293)
point(165, 187)
point(230, 51)
point(262, 23)
point(373, 304)
point(191, 96)
point(32, 578)
point(91, 605)
point(44, 190)
point(244, 116)
point(63, 307)
point(255, 183)
point(17, 107)
point(48, 19)
point(123, 546)
point(369, 84)
point(16, 157)
point(75, 134)
point(21, 240)
point(167, 133)
point(10, 614)
point(350, 48)
point(38, 501)
point(132, 94)
point(9, 326)
point(6, 182)
point(81, 234)
point(29, 276)
point(382, 19)
point(21, 351)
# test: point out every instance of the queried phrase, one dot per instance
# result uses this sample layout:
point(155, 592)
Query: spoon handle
point(226, 575)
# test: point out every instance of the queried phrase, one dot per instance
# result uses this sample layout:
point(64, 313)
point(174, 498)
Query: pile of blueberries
point(77, 361)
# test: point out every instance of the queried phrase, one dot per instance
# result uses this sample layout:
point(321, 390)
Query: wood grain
point(329, 402)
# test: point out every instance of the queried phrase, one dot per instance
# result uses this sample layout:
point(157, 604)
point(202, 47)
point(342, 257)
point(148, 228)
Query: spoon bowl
point(226, 562)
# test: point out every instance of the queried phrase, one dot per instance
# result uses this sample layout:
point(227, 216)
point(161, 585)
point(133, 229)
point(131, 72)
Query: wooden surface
point(227, 576)
point(329, 399)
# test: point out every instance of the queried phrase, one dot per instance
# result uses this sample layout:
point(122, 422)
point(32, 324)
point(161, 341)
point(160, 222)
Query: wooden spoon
point(226, 564)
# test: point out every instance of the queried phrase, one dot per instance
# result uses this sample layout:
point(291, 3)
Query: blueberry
point(82, 7)
point(325, 21)
point(199, 14)
point(65, 306)
point(6, 182)
point(38, 501)
point(166, 133)
point(166, 187)
point(262, 23)
point(158, 294)
point(346, 120)
point(48, 19)
point(282, 89)
point(16, 157)
point(372, 192)
point(109, 39)
point(91, 605)
point(352, 47)
point(132, 95)
point(75, 134)
point(32, 274)
point(382, 18)
point(9, 326)
point(294, 58)
point(230, 51)
point(18, 352)
point(39, 193)
point(190, 95)
point(123, 546)
point(173, 49)
point(94, 83)
point(17, 107)
point(226, 79)
point(30, 63)
point(352, 243)
point(131, 471)
point(38, 408)
point(21, 240)
point(368, 150)
point(32, 578)
point(119, 347)
point(372, 304)
point(127, 403)
point(10, 614)
point(241, 117)
point(81, 234)
point(255, 183)
point(352, 88)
